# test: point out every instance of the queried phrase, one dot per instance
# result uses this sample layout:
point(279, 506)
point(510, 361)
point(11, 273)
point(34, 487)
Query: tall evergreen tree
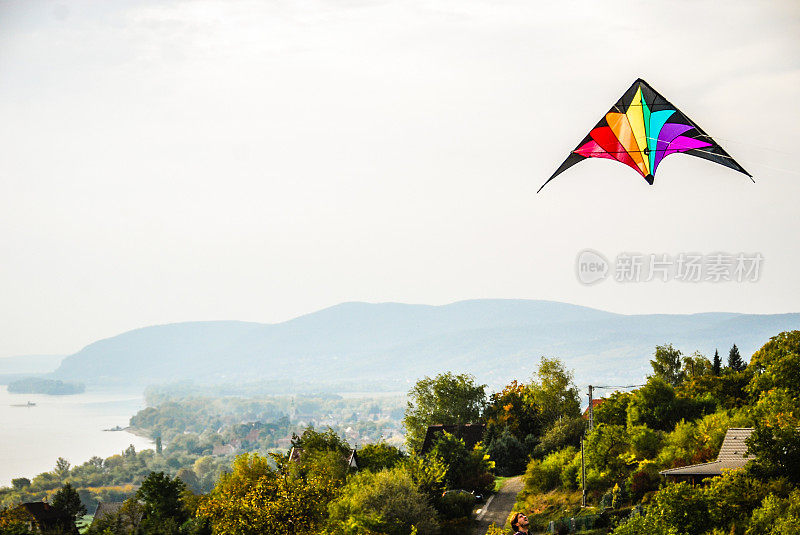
point(735, 361)
point(68, 501)
point(716, 368)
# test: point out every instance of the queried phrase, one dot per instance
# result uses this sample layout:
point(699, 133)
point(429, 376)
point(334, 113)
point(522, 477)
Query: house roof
point(595, 403)
point(47, 517)
point(223, 449)
point(106, 508)
point(471, 434)
point(732, 455)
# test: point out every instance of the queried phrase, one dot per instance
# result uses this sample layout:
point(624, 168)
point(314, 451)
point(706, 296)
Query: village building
point(596, 402)
point(105, 509)
point(110, 509)
point(41, 517)
point(223, 449)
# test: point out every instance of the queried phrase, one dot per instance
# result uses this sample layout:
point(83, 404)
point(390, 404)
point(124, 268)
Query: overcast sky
point(174, 161)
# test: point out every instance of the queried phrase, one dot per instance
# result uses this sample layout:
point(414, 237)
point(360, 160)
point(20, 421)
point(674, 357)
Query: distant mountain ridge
point(395, 344)
point(30, 363)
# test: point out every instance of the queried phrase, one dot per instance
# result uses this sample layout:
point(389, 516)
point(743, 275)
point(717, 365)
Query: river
point(32, 438)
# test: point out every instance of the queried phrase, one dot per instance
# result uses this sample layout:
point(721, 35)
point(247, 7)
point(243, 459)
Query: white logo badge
point(591, 267)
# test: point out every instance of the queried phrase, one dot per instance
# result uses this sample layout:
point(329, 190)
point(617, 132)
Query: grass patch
point(499, 481)
point(541, 508)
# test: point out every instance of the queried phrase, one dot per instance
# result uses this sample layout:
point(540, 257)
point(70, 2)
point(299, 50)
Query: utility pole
point(583, 477)
point(591, 410)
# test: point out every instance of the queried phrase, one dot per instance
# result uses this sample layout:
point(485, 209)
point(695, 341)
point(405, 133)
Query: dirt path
point(498, 506)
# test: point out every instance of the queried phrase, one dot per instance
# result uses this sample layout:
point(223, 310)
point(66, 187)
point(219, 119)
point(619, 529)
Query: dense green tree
point(161, 496)
point(386, 502)
point(466, 469)
point(677, 510)
point(444, 399)
point(428, 474)
point(68, 501)
point(777, 516)
point(657, 406)
point(20, 483)
point(377, 457)
point(189, 479)
point(666, 364)
point(652, 405)
point(696, 365)
point(14, 522)
point(777, 365)
point(328, 440)
point(564, 432)
point(775, 441)
point(728, 390)
point(735, 361)
point(62, 467)
point(723, 505)
point(554, 392)
point(644, 442)
point(614, 409)
point(604, 448)
point(716, 367)
point(514, 409)
point(254, 499)
point(508, 454)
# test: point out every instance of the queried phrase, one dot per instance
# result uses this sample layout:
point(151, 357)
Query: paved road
point(498, 506)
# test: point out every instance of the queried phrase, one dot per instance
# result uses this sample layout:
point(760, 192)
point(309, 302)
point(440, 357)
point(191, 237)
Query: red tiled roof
point(595, 403)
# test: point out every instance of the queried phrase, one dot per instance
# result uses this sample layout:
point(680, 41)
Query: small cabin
point(732, 456)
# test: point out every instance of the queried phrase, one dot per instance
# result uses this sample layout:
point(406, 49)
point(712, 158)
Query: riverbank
point(34, 437)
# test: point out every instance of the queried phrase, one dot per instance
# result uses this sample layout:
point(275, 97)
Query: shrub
point(545, 475)
point(645, 479)
point(571, 473)
point(641, 524)
point(645, 442)
point(776, 515)
point(384, 502)
point(456, 505)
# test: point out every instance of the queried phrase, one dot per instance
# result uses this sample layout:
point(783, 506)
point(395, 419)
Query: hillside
point(393, 344)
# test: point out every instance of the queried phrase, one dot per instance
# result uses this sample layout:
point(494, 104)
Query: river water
point(32, 438)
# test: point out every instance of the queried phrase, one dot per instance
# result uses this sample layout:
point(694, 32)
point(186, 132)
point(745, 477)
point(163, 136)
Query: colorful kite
point(640, 130)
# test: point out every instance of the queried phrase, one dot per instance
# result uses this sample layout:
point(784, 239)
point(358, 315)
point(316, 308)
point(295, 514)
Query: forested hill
point(394, 344)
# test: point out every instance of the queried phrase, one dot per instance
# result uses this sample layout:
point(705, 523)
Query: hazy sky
point(173, 161)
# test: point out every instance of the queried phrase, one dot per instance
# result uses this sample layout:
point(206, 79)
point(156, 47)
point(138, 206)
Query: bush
point(385, 502)
point(376, 457)
point(564, 432)
point(456, 505)
point(777, 516)
point(545, 475)
point(644, 524)
point(571, 473)
point(644, 480)
point(645, 442)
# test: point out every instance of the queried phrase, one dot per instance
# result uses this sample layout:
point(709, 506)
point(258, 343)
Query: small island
point(51, 387)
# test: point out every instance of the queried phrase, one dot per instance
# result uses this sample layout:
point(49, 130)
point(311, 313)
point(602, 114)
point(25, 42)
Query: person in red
point(519, 523)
